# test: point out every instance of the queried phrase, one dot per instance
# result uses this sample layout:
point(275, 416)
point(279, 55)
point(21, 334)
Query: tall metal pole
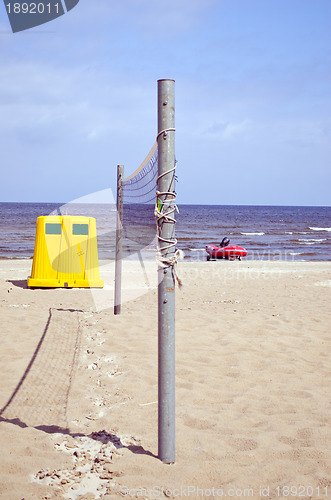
point(166, 287)
point(119, 240)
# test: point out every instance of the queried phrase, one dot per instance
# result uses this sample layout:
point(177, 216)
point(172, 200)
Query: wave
point(310, 241)
point(296, 253)
point(180, 238)
point(13, 257)
point(252, 234)
point(321, 228)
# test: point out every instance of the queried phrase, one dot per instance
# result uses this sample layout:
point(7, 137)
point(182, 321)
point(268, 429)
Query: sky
point(78, 96)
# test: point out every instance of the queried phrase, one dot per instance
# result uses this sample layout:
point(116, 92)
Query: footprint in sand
point(241, 444)
point(195, 423)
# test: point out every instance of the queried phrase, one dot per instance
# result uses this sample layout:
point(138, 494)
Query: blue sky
point(78, 96)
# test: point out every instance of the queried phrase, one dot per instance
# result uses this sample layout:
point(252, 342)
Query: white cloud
point(228, 131)
point(83, 93)
point(75, 103)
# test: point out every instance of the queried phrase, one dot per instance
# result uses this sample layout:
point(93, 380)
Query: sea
point(267, 232)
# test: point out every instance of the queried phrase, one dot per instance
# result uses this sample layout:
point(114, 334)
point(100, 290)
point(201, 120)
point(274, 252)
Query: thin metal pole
point(166, 287)
point(119, 240)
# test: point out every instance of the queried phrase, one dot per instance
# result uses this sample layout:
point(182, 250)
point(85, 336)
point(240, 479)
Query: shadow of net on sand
point(41, 397)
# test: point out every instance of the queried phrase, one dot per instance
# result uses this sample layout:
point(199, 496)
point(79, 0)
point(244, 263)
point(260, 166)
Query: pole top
point(166, 80)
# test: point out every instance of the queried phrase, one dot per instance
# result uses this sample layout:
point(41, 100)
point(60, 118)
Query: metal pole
point(119, 240)
point(166, 287)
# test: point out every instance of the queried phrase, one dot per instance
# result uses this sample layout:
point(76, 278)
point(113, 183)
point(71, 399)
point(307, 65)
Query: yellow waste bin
point(65, 253)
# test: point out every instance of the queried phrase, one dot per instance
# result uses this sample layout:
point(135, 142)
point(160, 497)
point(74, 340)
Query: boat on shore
point(224, 251)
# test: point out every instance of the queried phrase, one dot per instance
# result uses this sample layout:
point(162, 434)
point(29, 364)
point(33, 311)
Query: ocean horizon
point(271, 232)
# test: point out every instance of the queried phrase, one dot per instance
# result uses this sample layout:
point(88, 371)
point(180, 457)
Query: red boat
point(223, 251)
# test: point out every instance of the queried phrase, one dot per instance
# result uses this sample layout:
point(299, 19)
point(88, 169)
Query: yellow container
point(65, 253)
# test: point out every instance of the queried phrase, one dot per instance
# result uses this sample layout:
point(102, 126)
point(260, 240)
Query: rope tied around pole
point(169, 207)
point(165, 132)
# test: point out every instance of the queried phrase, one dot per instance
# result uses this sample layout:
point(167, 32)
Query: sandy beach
point(78, 396)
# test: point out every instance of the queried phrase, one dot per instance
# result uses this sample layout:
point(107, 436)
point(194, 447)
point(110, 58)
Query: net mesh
point(139, 229)
point(140, 187)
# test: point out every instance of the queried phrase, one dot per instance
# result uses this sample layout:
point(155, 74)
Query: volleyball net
point(136, 230)
point(138, 197)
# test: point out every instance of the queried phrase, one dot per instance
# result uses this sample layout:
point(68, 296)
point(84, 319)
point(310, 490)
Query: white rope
point(165, 132)
point(167, 216)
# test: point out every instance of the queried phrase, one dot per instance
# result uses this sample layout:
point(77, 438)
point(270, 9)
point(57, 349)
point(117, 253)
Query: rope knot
point(163, 211)
point(172, 262)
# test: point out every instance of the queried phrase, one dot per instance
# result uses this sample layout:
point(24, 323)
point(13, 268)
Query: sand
point(79, 385)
